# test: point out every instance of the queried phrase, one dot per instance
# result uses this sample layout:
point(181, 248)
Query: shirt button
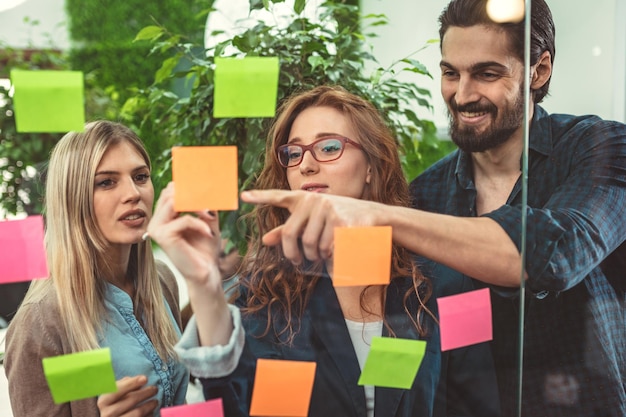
point(164, 368)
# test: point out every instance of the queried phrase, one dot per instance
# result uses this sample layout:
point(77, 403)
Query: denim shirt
point(133, 353)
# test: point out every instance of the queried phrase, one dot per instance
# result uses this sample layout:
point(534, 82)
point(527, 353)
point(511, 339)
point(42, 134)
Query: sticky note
point(205, 178)
point(211, 408)
point(48, 101)
point(79, 375)
point(465, 319)
point(392, 362)
point(362, 256)
point(245, 87)
point(22, 253)
point(282, 388)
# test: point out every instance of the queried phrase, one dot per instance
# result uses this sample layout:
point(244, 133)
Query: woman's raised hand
point(192, 242)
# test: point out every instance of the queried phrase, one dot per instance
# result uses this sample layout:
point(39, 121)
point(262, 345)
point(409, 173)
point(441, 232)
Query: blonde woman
point(104, 289)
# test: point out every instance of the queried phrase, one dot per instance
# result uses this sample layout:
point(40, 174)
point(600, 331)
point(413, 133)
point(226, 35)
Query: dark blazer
point(456, 383)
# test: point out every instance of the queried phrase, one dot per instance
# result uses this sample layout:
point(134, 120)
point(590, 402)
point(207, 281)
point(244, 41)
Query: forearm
point(212, 361)
point(209, 305)
point(477, 247)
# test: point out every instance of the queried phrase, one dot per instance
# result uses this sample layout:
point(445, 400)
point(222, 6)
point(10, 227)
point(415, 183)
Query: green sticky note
point(392, 362)
point(245, 87)
point(48, 101)
point(79, 375)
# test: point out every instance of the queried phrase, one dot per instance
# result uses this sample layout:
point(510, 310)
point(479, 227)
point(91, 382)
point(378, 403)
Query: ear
point(368, 178)
point(541, 71)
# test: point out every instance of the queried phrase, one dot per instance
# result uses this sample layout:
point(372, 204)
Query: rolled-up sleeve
point(211, 361)
point(582, 221)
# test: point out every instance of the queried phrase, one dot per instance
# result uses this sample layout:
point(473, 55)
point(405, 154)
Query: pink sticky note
point(211, 408)
point(465, 319)
point(22, 253)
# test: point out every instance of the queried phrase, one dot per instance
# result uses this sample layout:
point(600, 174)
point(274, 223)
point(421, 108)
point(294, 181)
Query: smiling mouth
point(473, 114)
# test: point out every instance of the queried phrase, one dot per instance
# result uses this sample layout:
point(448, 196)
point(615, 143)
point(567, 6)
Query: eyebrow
point(139, 168)
point(317, 136)
point(478, 66)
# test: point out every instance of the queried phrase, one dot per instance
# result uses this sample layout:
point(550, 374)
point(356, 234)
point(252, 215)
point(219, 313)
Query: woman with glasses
point(325, 140)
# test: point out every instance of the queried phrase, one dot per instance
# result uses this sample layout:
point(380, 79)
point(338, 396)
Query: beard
point(469, 140)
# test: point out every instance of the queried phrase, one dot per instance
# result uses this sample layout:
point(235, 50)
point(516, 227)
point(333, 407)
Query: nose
point(466, 91)
point(309, 164)
point(131, 191)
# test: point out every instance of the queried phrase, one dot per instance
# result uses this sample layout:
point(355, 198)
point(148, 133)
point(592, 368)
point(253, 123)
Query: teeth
point(132, 217)
point(467, 114)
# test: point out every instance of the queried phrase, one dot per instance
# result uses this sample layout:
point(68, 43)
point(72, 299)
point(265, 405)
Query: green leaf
point(149, 33)
point(298, 6)
point(316, 61)
point(166, 69)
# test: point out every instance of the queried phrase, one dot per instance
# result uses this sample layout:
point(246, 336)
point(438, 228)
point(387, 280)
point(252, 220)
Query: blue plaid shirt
point(575, 306)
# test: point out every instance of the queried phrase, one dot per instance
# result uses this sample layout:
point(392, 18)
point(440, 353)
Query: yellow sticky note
point(48, 101)
point(205, 178)
point(362, 256)
point(282, 388)
point(245, 87)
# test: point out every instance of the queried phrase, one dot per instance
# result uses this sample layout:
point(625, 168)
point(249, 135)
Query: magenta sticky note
point(22, 253)
point(465, 319)
point(211, 408)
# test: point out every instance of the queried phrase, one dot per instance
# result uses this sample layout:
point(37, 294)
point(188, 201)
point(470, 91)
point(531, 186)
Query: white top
point(361, 335)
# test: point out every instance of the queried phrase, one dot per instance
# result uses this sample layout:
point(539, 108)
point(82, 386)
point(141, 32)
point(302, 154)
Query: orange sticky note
point(282, 388)
point(362, 256)
point(205, 178)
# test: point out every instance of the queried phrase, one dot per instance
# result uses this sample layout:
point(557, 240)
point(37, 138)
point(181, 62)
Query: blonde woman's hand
point(192, 242)
point(130, 400)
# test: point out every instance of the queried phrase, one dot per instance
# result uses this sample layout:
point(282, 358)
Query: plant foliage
point(332, 49)
point(23, 155)
point(102, 33)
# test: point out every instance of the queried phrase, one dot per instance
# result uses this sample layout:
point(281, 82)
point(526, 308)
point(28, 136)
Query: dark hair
point(466, 13)
point(273, 282)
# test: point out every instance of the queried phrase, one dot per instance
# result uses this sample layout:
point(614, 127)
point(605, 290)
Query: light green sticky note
point(245, 87)
point(48, 101)
point(392, 362)
point(79, 375)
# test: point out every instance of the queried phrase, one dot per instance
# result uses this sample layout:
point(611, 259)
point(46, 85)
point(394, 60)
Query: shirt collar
point(541, 132)
point(117, 296)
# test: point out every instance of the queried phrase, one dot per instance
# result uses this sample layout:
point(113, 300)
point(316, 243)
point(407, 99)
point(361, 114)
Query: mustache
point(475, 107)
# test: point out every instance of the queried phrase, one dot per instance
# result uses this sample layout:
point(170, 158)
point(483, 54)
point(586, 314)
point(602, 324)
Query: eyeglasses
point(323, 150)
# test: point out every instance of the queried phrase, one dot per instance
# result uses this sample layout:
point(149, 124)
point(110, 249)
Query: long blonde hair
point(76, 248)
